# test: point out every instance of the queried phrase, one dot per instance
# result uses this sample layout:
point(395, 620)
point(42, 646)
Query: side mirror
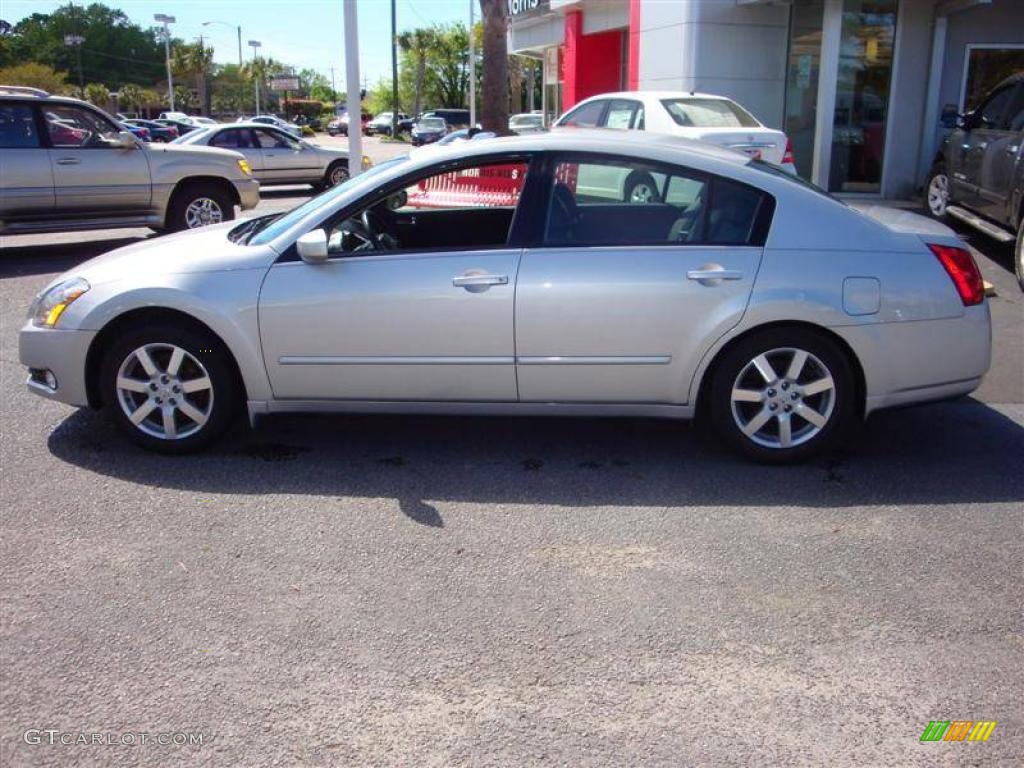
point(312, 247)
point(967, 121)
point(124, 140)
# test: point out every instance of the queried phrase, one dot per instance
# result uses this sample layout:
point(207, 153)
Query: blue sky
point(304, 33)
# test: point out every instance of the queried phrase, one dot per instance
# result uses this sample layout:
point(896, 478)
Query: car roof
point(658, 95)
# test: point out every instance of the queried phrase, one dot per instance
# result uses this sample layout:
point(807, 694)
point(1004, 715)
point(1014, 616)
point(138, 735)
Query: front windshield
point(522, 121)
point(192, 137)
point(431, 124)
point(276, 227)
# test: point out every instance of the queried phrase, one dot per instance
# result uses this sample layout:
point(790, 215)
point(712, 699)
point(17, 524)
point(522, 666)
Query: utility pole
point(352, 98)
point(76, 41)
point(394, 72)
point(256, 44)
point(334, 91)
point(472, 67)
point(164, 19)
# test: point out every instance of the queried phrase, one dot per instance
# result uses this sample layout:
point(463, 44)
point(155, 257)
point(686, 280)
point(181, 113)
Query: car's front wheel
point(937, 192)
point(782, 395)
point(199, 205)
point(171, 389)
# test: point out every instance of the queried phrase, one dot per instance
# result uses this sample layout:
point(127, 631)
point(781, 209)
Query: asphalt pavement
point(426, 591)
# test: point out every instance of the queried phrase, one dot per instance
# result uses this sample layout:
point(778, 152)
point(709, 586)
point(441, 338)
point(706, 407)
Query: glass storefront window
point(862, 95)
point(802, 82)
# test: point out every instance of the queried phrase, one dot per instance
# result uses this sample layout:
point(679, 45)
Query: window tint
point(274, 140)
point(709, 113)
point(1015, 121)
point(17, 127)
point(586, 116)
point(71, 126)
point(471, 207)
point(598, 202)
point(992, 111)
point(620, 114)
point(234, 138)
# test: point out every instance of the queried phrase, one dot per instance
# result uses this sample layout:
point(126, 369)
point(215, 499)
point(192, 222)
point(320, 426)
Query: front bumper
point(248, 193)
point(61, 351)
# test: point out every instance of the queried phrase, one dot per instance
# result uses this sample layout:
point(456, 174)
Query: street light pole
point(394, 74)
point(238, 29)
point(76, 41)
point(256, 45)
point(164, 19)
point(353, 100)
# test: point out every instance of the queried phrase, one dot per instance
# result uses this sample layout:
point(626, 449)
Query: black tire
point(332, 170)
point(937, 177)
point(219, 402)
point(639, 181)
point(1018, 253)
point(178, 215)
point(838, 404)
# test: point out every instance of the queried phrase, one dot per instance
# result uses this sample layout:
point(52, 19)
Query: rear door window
point(17, 127)
point(596, 201)
point(585, 116)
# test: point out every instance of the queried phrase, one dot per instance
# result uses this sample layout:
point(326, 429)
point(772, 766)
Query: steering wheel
point(375, 228)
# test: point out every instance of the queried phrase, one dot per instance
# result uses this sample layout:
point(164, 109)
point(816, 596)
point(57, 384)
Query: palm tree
point(418, 43)
point(97, 94)
point(196, 60)
point(494, 96)
point(129, 97)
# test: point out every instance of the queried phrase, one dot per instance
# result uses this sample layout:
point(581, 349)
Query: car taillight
point(787, 156)
point(963, 271)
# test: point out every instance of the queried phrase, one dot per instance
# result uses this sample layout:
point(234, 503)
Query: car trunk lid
point(762, 143)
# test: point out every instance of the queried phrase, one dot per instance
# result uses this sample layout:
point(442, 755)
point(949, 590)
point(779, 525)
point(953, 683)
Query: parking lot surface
point(421, 591)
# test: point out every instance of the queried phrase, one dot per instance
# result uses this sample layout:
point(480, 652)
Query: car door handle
point(714, 274)
point(68, 161)
point(467, 281)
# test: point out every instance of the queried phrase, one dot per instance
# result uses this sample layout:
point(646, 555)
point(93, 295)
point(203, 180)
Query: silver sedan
point(275, 156)
point(518, 276)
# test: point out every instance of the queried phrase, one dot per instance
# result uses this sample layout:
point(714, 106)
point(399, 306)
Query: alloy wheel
point(938, 194)
point(642, 193)
point(338, 175)
point(783, 398)
point(203, 211)
point(164, 391)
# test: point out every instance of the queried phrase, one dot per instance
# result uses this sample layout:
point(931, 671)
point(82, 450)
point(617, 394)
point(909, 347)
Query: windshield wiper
point(244, 232)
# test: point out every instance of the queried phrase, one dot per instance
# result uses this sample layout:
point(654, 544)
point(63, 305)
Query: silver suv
point(66, 165)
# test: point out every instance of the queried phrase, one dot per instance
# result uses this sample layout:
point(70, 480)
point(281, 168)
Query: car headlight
point(367, 162)
point(48, 308)
point(244, 167)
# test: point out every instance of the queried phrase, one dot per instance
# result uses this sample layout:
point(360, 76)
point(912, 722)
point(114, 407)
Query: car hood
point(195, 150)
point(200, 250)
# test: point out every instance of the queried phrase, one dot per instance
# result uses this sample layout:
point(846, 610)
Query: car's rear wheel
point(640, 187)
point(171, 389)
point(783, 395)
point(1018, 261)
point(199, 205)
point(937, 192)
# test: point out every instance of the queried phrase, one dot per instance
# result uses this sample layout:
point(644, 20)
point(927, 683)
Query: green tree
point(35, 75)
point(418, 43)
point(129, 98)
point(193, 60)
point(115, 50)
point(97, 93)
point(184, 98)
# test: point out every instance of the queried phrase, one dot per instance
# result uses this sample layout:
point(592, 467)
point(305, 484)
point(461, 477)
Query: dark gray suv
point(978, 176)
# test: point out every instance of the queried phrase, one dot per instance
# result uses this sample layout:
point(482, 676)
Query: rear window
point(17, 127)
point(709, 113)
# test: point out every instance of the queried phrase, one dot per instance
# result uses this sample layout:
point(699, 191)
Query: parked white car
point(702, 116)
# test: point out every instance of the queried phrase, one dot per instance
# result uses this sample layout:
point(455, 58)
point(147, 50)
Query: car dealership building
point(892, 74)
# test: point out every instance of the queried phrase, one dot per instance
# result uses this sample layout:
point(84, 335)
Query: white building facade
point(865, 89)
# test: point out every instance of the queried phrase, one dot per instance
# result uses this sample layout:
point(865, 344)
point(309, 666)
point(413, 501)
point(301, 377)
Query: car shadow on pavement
point(950, 453)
